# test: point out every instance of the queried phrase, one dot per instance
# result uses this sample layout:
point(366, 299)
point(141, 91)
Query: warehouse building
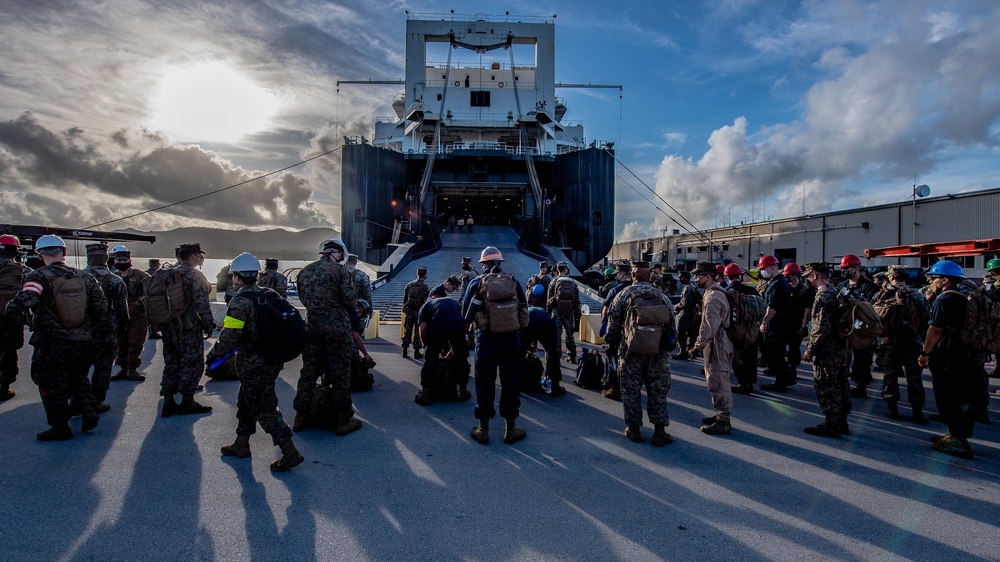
point(828, 236)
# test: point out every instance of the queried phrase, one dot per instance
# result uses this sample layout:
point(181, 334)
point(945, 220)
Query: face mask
point(123, 266)
point(765, 274)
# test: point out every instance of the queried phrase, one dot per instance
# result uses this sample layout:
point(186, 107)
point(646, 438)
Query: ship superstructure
point(484, 140)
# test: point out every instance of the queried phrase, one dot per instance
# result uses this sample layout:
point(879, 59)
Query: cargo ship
point(483, 140)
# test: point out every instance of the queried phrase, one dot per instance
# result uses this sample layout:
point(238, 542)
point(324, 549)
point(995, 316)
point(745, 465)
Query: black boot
point(829, 428)
point(892, 411)
point(918, 416)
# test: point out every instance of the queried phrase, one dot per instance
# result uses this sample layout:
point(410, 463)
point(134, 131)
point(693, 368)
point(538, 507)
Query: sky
point(731, 110)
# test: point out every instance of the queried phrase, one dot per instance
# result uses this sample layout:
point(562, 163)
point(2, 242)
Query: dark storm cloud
point(104, 188)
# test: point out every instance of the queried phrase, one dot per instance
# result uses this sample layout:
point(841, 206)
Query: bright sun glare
point(211, 101)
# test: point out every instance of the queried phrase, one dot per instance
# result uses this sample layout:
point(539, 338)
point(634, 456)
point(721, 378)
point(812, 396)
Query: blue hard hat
point(947, 268)
point(537, 290)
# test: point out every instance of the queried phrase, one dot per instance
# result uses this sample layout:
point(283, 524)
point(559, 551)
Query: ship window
point(479, 99)
point(439, 97)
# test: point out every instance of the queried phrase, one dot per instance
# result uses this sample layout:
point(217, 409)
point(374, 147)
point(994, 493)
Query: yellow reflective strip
point(233, 323)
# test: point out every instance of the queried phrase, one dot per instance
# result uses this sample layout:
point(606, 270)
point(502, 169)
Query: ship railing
point(441, 16)
point(388, 119)
point(457, 82)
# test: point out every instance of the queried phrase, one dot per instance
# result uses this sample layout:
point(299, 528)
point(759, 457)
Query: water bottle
point(547, 384)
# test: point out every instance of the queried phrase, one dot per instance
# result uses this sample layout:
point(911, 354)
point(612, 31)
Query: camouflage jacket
point(239, 330)
point(36, 295)
point(615, 335)
point(825, 344)
point(362, 284)
point(416, 290)
point(327, 292)
point(11, 279)
point(196, 291)
point(114, 290)
point(274, 280)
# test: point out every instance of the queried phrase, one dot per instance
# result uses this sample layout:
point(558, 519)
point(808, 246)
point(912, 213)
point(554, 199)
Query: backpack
point(417, 296)
point(531, 374)
point(165, 296)
point(281, 331)
point(646, 319)
point(745, 315)
point(898, 310)
point(323, 411)
point(69, 297)
point(361, 378)
point(591, 370)
point(444, 387)
point(981, 330)
point(503, 312)
point(565, 296)
point(858, 322)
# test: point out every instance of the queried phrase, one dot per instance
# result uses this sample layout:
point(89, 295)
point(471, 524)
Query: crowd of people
point(84, 321)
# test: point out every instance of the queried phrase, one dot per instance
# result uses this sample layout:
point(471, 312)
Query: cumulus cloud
point(911, 87)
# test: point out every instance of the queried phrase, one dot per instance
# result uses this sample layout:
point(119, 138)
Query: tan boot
point(347, 423)
point(513, 434)
point(188, 406)
point(290, 457)
point(481, 432)
point(240, 448)
point(661, 437)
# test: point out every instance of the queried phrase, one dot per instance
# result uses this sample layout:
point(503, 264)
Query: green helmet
point(993, 264)
point(609, 271)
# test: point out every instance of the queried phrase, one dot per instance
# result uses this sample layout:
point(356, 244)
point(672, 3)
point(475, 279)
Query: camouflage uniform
point(256, 401)
point(538, 278)
point(687, 320)
point(565, 323)
point(362, 284)
point(466, 277)
point(904, 341)
point(416, 291)
point(634, 370)
point(224, 285)
point(861, 359)
point(61, 355)
point(327, 292)
point(106, 329)
point(183, 338)
point(829, 356)
point(130, 344)
point(275, 280)
point(11, 326)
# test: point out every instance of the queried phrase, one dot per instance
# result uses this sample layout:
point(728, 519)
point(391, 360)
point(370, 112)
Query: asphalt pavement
point(413, 485)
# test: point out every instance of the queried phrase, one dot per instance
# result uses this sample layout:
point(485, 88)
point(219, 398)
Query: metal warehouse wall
point(828, 236)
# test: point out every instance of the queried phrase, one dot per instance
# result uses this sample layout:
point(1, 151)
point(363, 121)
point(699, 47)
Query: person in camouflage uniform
point(60, 358)
point(468, 274)
point(636, 371)
point(12, 326)
point(544, 278)
point(109, 327)
point(256, 401)
point(904, 337)
point(130, 344)
point(828, 353)
point(362, 282)
point(414, 296)
point(327, 292)
point(184, 337)
point(154, 266)
point(856, 285)
point(687, 319)
point(567, 321)
point(273, 279)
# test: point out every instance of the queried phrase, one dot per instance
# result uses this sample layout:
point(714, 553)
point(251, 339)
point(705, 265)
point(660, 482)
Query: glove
point(807, 356)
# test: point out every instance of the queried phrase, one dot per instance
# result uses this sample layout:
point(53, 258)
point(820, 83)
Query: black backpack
point(281, 331)
point(590, 371)
point(531, 374)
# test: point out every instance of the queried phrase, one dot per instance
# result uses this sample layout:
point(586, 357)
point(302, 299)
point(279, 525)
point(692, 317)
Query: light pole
point(918, 191)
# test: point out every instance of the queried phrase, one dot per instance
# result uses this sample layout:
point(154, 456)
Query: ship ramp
point(388, 298)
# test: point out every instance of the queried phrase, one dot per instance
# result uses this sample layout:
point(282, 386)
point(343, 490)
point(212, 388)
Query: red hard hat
point(719, 269)
point(733, 269)
point(766, 261)
point(9, 240)
point(792, 269)
point(850, 260)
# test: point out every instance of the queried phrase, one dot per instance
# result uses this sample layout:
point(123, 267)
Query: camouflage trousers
point(58, 367)
point(902, 361)
point(102, 358)
point(653, 372)
point(130, 344)
point(258, 403)
point(718, 366)
point(11, 340)
point(687, 332)
point(833, 391)
point(183, 361)
point(411, 330)
point(565, 325)
point(327, 355)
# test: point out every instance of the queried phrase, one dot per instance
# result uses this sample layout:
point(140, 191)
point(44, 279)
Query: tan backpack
point(502, 312)
point(646, 320)
point(69, 297)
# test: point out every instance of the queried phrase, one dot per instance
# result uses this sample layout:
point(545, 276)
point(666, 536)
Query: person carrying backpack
point(955, 370)
point(256, 401)
point(563, 304)
point(109, 327)
point(828, 353)
point(489, 303)
point(858, 286)
point(543, 278)
point(11, 327)
point(716, 348)
point(184, 334)
point(414, 296)
point(687, 316)
point(64, 302)
point(641, 333)
point(131, 342)
point(904, 312)
point(273, 279)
